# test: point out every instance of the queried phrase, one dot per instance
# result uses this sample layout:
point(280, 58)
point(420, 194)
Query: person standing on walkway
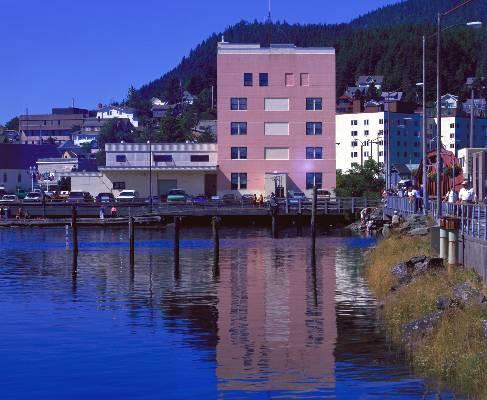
point(451, 196)
point(466, 195)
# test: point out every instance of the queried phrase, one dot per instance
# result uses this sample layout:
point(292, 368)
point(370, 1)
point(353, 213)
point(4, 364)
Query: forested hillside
point(384, 42)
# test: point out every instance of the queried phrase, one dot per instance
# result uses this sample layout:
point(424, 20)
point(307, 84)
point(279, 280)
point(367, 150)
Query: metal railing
point(473, 217)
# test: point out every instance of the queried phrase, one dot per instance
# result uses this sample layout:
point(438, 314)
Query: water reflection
point(269, 320)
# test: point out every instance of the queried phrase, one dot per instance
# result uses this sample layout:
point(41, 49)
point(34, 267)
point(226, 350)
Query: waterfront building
point(88, 133)
point(109, 112)
point(474, 166)
point(57, 126)
point(276, 118)
point(188, 166)
point(16, 160)
point(362, 135)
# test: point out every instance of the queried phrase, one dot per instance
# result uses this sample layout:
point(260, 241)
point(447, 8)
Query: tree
point(13, 124)
point(360, 181)
point(207, 136)
point(372, 92)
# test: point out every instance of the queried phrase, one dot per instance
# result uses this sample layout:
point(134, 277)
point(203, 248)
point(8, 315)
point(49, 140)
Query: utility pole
point(439, 164)
point(425, 150)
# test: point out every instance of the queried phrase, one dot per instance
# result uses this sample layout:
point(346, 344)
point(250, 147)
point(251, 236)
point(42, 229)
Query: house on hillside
point(110, 112)
point(89, 132)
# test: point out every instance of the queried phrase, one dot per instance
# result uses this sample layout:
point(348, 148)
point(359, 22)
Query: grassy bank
point(455, 351)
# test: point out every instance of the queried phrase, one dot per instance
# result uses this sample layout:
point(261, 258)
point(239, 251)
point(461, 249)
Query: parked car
point(229, 199)
point(105, 197)
point(80, 197)
point(33, 197)
point(21, 193)
point(155, 199)
point(322, 194)
point(9, 198)
point(128, 195)
point(247, 199)
point(200, 199)
point(177, 196)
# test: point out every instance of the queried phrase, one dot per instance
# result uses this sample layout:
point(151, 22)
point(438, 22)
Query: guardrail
point(473, 217)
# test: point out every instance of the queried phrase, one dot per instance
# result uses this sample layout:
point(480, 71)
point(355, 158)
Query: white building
point(187, 166)
point(109, 112)
point(360, 136)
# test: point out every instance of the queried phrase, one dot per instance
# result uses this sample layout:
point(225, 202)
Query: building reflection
point(276, 320)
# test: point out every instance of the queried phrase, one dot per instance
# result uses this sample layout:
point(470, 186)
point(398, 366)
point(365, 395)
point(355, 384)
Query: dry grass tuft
point(456, 350)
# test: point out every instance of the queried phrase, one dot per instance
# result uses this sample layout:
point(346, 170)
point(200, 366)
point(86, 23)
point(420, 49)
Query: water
point(265, 325)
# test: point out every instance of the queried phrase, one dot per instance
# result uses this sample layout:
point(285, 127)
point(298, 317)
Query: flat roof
point(161, 168)
point(255, 48)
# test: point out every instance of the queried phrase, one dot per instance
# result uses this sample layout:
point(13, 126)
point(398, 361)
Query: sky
point(92, 51)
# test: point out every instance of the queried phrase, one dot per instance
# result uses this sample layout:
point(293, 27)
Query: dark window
point(314, 179)
point(162, 157)
point(19, 178)
point(238, 180)
point(200, 158)
point(238, 153)
point(314, 103)
point(119, 185)
point(238, 128)
point(4, 177)
point(121, 158)
point(247, 79)
point(238, 103)
point(263, 79)
point(314, 153)
point(314, 128)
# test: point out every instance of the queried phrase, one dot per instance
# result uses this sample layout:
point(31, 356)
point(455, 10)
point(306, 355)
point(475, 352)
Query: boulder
point(405, 272)
point(443, 303)
point(422, 326)
point(413, 222)
point(464, 294)
point(418, 232)
point(402, 273)
point(386, 231)
point(427, 264)
point(484, 329)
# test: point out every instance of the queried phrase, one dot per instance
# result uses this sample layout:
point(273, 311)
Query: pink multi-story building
point(276, 118)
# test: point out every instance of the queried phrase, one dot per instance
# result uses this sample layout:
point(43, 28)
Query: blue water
point(265, 324)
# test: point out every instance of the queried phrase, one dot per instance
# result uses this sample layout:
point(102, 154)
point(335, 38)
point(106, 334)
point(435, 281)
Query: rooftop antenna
point(269, 19)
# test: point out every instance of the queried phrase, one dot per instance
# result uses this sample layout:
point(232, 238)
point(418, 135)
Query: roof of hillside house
point(92, 123)
point(23, 156)
point(368, 79)
point(126, 110)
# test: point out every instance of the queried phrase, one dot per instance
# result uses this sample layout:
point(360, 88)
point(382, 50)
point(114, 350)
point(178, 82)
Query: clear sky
point(93, 50)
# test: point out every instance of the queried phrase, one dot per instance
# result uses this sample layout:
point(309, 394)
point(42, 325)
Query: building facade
point(109, 112)
point(363, 136)
point(187, 166)
point(276, 118)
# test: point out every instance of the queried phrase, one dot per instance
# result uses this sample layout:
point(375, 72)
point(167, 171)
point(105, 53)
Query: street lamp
point(438, 97)
point(32, 172)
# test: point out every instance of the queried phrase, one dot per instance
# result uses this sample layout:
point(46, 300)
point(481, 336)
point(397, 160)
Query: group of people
point(414, 194)
point(465, 195)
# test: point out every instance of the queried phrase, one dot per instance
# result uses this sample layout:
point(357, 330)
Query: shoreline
point(437, 315)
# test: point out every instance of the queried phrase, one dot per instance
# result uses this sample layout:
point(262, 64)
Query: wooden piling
point(74, 227)
point(177, 221)
point(274, 214)
point(313, 221)
point(215, 223)
point(131, 242)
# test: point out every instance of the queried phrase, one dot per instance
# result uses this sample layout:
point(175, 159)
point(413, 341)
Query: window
point(272, 104)
point(354, 133)
point(381, 121)
point(276, 128)
point(200, 158)
point(452, 125)
point(120, 158)
point(289, 79)
point(406, 154)
point(162, 157)
point(314, 153)
point(366, 153)
point(353, 154)
point(452, 146)
point(314, 179)
point(381, 142)
point(5, 177)
point(353, 122)
point(238, 180)
point(59, 122)
point(452, 135)
point(304, 79)
point(314, 103)
point(19, 178)
point(238, 128)
point(381, 132)
point(238, 103)
point(263, 79)
point(366, 133)
point(416, 154)
point(354, 143)
point(247, 79)
point(119, 185)
point(314, 128)
point(366, 122)
point(381, 153)
point(276, 153)
point(238, 153)
point(399, 143)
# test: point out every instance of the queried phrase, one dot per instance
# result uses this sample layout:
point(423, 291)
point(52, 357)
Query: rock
point(413, 222)
point(443, 303)
point(402, 273)
point(484, 329)
point(405, 272)
point(422, 326)
point(464, 294)
point(417, 259)
point(386, 231)
point(418, 232)
point(428, 264)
